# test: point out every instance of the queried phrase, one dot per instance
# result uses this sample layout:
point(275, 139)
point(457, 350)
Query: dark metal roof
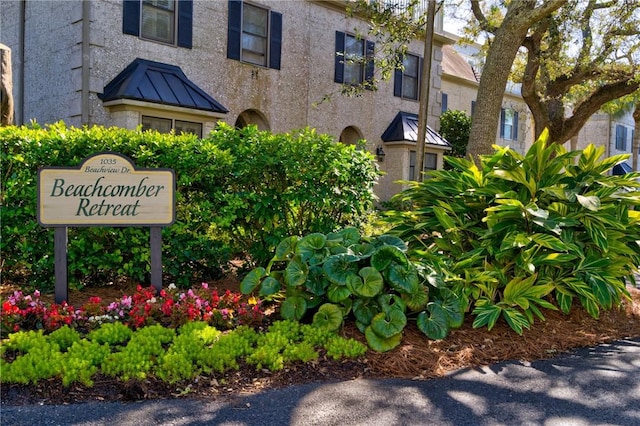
point(404, 127)
point(150, 81)
point(622, 169)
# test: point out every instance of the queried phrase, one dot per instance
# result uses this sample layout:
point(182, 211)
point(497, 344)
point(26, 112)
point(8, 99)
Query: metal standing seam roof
point(156, 82)
point(622, 169)
point(404, 127)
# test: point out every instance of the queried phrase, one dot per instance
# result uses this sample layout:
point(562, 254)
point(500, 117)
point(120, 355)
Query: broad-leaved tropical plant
point(516, 234)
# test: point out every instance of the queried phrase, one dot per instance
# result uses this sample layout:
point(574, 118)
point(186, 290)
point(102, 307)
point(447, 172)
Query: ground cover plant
point(516, 236)
point(173, 337)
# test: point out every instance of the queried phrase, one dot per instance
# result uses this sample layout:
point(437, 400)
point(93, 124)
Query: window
point(254, 35)
point(406, 83)
point(445, 102)
point(166, 21)
point(430, 163)
point(350, 68)
point(165, 125)
point(621, 137)
point(158, 20)
point(509, 124)
point(412, 165)
point(473, 107)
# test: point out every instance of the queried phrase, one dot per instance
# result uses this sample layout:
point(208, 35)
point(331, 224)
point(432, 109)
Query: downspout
point(19, 120)
point(84, 94)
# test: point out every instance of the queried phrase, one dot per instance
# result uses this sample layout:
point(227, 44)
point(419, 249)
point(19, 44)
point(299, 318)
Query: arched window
point(350, 135)
point(252, 116)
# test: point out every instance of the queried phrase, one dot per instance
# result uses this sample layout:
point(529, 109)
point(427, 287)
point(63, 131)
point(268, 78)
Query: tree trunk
point(493, 81)
point(508, 38)
point(6, 87)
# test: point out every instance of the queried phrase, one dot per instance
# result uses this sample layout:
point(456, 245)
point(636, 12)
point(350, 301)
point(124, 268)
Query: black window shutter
point(370, 48)
point(502, 118)
point(275, 40)
point(234, 32)
point(397, 82)
point(185, 23)
point(339, 71)
point(420, 65)
point(515, 126)
point(131, 17)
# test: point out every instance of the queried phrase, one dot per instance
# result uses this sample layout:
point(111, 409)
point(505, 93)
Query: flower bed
point(170, 307)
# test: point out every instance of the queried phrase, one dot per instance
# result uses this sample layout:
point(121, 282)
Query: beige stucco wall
point(600, 130)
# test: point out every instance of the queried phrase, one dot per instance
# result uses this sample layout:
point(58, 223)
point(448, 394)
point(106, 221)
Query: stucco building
point(187, 64)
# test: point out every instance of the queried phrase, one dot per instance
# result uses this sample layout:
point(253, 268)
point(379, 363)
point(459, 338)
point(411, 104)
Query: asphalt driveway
point(592, 386)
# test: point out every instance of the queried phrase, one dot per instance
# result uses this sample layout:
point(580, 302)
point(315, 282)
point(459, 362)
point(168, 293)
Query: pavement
point(591, 386)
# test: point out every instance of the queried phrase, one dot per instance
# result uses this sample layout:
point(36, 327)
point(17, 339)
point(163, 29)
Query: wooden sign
point(106, 190)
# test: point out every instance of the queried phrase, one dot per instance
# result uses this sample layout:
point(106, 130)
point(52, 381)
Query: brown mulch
point(416, 358)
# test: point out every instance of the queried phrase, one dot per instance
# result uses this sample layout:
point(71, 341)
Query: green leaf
point(286, 248)
point(590, 203)
point(370, 285)
point(443, 218)
point(296, 272)
point(558, 259)
point(564, 302)
point(516, 319)
point(328, 317)
point(337, 293)
point(418, 300)
point(269, 286)
point(363, 251)
point(312, 248)
point(381, 344)
point(550, 242)
point(486, 314)
point(590, 306)
point(340, 267)
point(387, 324)
point(293, 308)
point(252, 280)
point(434, 325)
point(365, 310)
point(597, 233)
point(388, 302)
point(452, 306)
point(350, 236)
point(386, 255)
point(403, 278)
point(392, 240)
point(316, 282)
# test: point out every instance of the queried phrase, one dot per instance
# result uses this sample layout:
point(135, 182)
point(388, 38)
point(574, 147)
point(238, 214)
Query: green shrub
point(238, 192)
point(518, 234)
point(455, 127)
point(99, 254)
point(291, 184)
point(342, 272)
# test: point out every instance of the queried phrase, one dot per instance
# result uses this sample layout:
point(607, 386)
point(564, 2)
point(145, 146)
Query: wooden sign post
point(105, 190)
